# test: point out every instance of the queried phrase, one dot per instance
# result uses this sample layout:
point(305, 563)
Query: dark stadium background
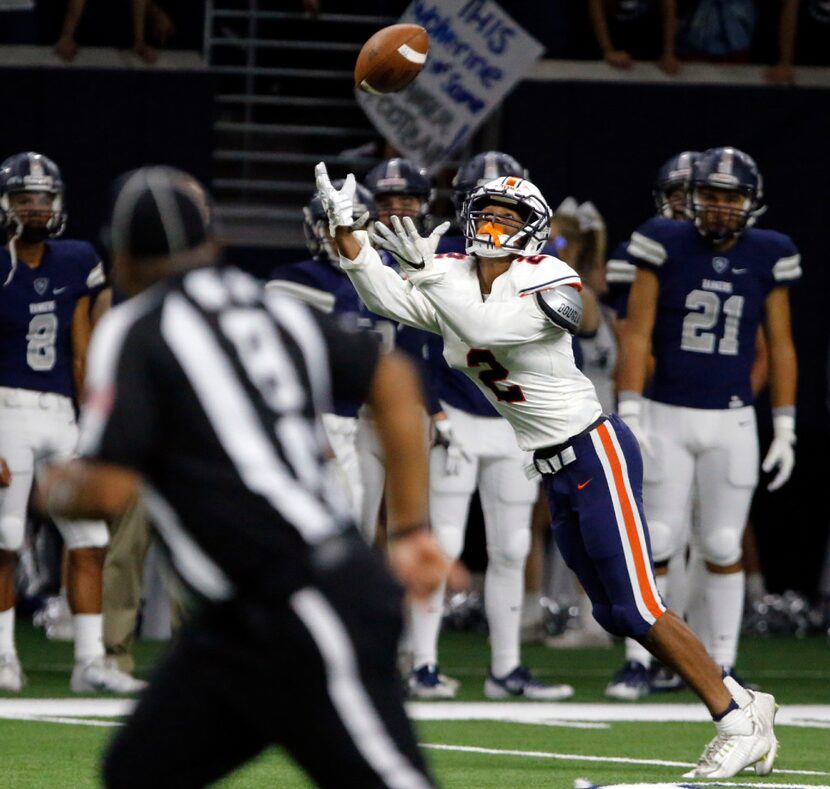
point(597, 141)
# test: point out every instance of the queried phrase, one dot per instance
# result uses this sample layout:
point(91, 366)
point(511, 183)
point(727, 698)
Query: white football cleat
point(11, 675)
point(726, 755)
point(102, 676)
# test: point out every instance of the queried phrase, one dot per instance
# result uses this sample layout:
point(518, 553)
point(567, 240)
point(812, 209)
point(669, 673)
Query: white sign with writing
point(477, 53)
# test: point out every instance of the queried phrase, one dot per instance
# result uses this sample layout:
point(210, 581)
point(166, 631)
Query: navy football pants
point(598, 521)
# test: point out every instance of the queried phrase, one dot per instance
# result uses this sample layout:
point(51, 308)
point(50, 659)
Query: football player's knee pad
point(12, 530)
point(84, 534)
point(721, 546)
point(511, 548)
point(450, 537)
point(662, 540)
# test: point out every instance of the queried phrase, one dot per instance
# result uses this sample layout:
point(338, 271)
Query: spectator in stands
point(144, 13)
point(748, 31)
point(782, 70)
point(626, 30)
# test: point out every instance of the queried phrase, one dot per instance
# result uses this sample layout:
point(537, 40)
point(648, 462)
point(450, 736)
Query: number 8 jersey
point(36, 308)
point(710, 306)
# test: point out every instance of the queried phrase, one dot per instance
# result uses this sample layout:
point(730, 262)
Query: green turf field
point(553, 745)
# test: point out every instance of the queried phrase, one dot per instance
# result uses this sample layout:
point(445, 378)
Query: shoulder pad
point(541, 272)
point(783, 256)
point(647, 246)
point(562, 307)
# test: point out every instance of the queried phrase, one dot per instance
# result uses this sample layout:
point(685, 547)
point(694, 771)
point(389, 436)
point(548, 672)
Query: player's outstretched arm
point(783, 375)
point(379, 287)
point(636, 349)
point(481, 324)
point(397, 408)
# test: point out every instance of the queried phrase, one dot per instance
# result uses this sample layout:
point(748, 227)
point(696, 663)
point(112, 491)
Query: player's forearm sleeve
point(486, 325)
point(385, 293)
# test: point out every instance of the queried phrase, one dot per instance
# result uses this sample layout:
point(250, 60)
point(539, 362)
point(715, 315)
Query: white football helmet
point(496, 236)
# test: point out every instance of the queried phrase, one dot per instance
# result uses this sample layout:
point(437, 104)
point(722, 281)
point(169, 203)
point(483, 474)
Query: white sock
point(7, 632)
point(635, 651)
point(735, 722)
point(697, 613)
point(89, 637)
point(725, 607)
point(742, 696)
point(424, 626)
point(503, 593)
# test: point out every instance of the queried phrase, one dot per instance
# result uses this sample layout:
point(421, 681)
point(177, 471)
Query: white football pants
point(496, 467)
point(38, 428)
point(341, 432)
point(706, 461)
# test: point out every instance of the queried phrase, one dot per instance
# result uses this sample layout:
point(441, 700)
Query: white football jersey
point(521, 361)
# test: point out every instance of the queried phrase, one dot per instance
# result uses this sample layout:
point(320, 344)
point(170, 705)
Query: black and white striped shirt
point(211, 387)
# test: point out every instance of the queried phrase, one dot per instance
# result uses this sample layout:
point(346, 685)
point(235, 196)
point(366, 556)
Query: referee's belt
point(549, 460)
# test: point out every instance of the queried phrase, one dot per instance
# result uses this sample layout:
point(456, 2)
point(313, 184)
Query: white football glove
point(413, 252)
point(781, 454)
point(630, 410)
point(338, 204)
point(444, 437)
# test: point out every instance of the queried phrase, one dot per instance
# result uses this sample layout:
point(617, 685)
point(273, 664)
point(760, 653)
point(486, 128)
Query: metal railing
point(283, 101)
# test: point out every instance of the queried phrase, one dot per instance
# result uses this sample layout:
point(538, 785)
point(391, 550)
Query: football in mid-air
point(391, 59)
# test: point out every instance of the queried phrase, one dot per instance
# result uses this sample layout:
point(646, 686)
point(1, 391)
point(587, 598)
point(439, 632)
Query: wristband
point(783, 422)
point(629, 404)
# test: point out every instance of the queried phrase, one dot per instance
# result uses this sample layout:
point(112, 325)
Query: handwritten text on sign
point(477, 53)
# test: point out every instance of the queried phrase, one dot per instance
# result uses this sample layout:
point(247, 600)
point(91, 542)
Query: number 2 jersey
point(710, 305)
point(36, 308)
point(522, 362)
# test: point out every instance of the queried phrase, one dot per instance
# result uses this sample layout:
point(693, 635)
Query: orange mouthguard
point(494, 231)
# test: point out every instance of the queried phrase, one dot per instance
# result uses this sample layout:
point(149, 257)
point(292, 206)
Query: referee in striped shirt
point(203, 397)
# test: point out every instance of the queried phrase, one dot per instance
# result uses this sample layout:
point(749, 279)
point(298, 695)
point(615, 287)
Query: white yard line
point(576, 757)
point(802, 715)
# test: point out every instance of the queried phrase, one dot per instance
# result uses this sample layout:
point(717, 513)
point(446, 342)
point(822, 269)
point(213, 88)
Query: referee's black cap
point(158, 211)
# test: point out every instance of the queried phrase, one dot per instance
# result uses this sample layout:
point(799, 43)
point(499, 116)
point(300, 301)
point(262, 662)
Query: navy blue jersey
point(36, 309)
point(619, 276)
point(709, 309)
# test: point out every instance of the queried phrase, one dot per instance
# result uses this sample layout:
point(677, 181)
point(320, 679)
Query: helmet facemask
point(721, 222)
point(33, 224)
point(491, 235)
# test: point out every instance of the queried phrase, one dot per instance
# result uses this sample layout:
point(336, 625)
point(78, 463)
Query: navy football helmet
point(32, 172)
point(316, 223)
point(731, 170)
point(480, 169)
point(400, 178)
point(674, 174)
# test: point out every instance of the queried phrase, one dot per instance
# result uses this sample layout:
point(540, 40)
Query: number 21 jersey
point(709, 308)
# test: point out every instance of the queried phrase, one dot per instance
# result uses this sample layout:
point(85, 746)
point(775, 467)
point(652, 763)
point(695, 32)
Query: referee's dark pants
point(316, 676)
